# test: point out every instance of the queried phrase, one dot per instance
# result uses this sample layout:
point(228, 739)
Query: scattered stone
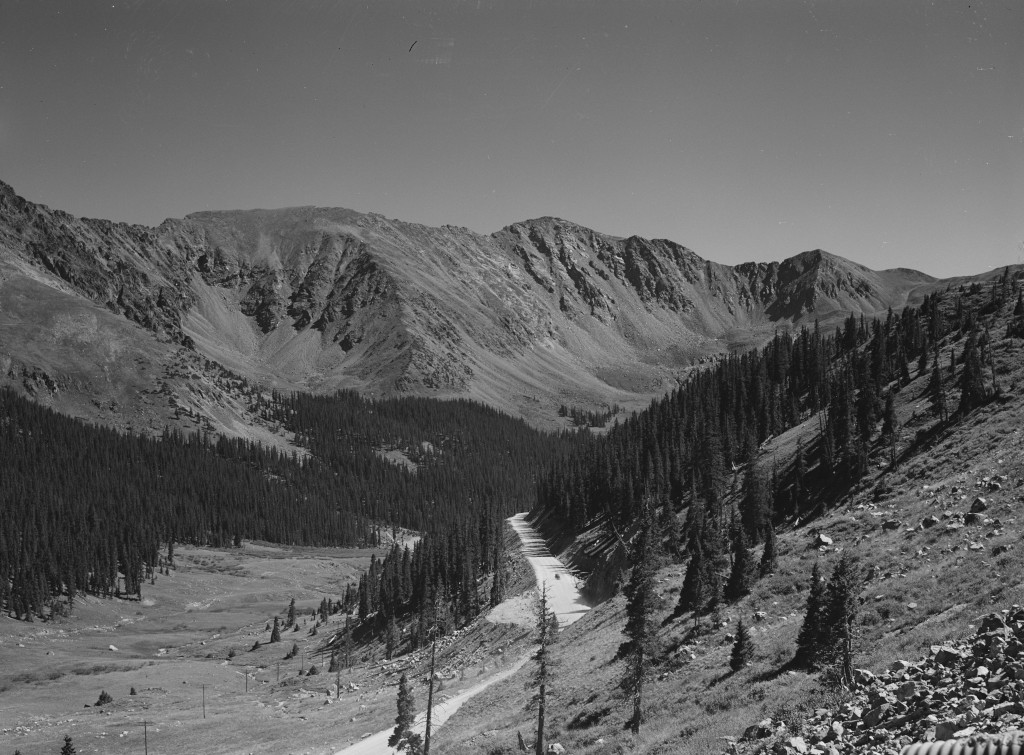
point(971, 688)
point(891, 524)
point(822, 539)
point(979, 505)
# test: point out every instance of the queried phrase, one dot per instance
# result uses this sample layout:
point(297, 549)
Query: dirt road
point(565, 601)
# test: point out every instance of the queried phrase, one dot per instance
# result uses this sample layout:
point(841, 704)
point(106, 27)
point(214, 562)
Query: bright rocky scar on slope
point(539, 314)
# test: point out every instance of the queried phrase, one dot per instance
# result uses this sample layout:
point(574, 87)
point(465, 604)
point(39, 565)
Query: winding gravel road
point(565, 601)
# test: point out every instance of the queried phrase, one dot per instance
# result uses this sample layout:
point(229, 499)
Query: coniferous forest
point(85, 509)
point(682, 454)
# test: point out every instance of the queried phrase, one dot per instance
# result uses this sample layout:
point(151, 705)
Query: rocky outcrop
point(968, 689)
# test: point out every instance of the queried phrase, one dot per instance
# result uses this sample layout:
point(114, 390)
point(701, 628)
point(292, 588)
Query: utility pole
point(279, 671)
point(145, 735)
point(337, 678)
point(245, 673)
point(204, 701)
point(430, 697)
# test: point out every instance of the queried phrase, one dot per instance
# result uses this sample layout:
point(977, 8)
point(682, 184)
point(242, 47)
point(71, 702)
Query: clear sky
point(888, 132)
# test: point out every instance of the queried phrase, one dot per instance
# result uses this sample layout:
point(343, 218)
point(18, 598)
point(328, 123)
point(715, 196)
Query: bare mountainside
point(145, 327)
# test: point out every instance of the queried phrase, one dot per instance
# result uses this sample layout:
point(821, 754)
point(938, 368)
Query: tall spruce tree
point(972, 381)
point(275, 633)
point(755, 505)
point(840, 612)
point(689, 593)
point(742, 648)
point(890, 426)
point(741, 578)
point(69, 747)
point(812, 631)
point(640, 630)
point(769, 558)
point(403, 738)
point(547, 633)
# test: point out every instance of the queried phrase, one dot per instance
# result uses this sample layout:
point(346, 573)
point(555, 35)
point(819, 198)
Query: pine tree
point(547, 633)
point(690, 592)
point(68, 748)
point(741, 577)
point(403, 738)
point(841, 600)
point(275, 634)
point(742, 648)
point(890, 426)
point(641, 596)
point(972, 382)
point(392, 638)
point(498, 584)
point(769, 558)
point(937, 393)
point(809, 640)
point(291, 613)
point(755, 505)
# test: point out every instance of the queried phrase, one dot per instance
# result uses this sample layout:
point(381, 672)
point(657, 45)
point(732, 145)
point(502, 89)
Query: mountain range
point(142, 327)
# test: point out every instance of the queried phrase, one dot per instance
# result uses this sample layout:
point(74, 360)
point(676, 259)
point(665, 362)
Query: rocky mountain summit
point(539, 314)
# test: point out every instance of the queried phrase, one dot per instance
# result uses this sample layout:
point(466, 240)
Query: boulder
point(945, 730)
point(946, 656)
point(979, 505)
point(797, 744)
point(822, 539)
point(891, 524)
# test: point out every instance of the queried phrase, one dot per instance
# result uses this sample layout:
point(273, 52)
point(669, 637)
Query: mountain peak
point(541, 313)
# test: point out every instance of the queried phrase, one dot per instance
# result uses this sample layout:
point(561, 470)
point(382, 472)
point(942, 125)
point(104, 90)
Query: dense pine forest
point(688, 449)
point(85, 509)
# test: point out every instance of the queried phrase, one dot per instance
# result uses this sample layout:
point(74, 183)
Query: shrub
point(104, 699)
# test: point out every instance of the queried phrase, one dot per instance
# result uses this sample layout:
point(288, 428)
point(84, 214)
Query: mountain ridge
point(540, 313)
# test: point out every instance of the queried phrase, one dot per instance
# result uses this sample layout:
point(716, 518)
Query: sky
point(891, 133)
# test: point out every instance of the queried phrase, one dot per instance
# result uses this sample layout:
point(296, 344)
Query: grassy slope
point(929, 584)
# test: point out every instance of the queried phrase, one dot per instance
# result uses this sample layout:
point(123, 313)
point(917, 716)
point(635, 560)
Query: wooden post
point(145, 735)
point(204, 701)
